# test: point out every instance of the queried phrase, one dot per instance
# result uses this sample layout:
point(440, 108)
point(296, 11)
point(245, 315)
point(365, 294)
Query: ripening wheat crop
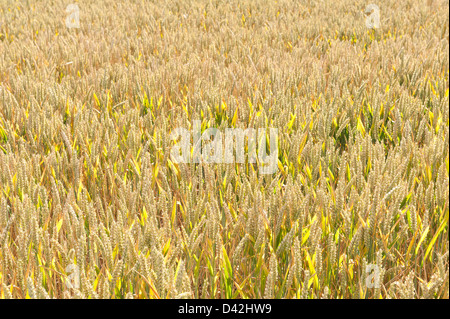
point(87, 181)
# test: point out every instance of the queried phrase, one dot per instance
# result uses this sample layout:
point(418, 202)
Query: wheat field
point(88, 185)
